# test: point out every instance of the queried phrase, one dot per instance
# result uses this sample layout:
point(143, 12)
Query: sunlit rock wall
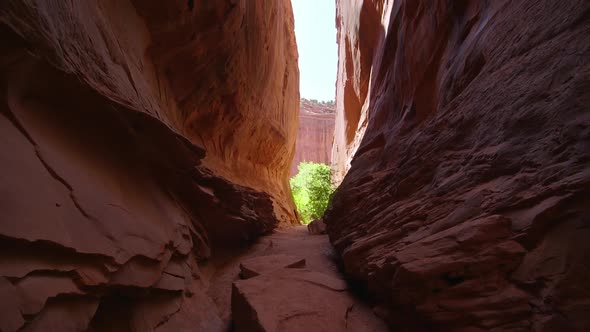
point(138, 138)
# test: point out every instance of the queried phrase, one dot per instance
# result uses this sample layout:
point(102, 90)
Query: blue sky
point(318, 52)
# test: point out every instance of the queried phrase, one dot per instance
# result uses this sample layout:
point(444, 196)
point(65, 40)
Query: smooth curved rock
point(317, 227)
point(465, 205)
point(137, 139)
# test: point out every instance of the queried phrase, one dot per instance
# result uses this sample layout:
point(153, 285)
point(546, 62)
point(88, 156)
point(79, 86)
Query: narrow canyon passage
point(146, 148)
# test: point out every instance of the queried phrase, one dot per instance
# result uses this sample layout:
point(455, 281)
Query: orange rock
point(298, 300)
point(315, 134)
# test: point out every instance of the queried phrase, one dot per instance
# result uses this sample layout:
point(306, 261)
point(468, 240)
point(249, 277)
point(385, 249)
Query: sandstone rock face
point(295, 299)
point(137, 138)
point(359, 28)
point(466, 204)
point(256, 266)
point(314, 137)
point(317, 227)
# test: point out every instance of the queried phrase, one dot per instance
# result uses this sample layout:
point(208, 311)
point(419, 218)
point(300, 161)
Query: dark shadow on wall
point(477, 128)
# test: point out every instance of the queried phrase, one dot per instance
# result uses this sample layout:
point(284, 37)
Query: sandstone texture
point(291, 268)
point(264, 264)
point(465, 130)
point(317, 227)
point(137, 140)
point(314, 137)
point(293, 294)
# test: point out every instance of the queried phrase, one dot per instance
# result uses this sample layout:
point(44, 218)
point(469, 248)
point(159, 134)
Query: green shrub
point(312, 189)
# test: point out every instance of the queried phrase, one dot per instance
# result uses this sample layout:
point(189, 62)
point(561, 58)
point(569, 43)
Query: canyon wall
point(465, 130)
point(315, 134)
point(138, 139)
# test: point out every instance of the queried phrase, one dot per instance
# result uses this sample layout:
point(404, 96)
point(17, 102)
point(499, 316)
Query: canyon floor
point(289, 294)
point(146, 148)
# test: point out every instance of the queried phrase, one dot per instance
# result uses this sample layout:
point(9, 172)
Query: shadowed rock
point(317, 227)
point(137, 140)
point(464, 129)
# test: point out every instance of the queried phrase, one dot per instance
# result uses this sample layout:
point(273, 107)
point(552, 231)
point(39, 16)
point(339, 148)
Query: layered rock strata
point(137, 139)
point(466, 128)
point(314, 137)
point(288, 293)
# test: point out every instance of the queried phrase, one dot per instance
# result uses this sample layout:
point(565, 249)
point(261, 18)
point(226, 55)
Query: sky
point(315, 31)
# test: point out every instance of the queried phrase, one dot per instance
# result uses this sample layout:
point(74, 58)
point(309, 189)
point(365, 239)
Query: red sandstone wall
point(137, 139)
point(315, 134)
point(465, 129)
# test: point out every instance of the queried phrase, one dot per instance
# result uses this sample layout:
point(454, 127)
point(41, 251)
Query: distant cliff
point(316, 130)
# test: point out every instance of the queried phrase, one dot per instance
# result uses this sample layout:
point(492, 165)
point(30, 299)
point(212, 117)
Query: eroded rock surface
point(315, 134)
point(137, 138)
point(317, 227)
point(466, 204)
point(285, 295)
point(256, 266)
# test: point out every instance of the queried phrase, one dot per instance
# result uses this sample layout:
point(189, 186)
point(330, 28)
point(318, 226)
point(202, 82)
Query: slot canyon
point(146, 148)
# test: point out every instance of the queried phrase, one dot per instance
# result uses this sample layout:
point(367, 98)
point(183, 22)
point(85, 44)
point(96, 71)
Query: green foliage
point(312, 189)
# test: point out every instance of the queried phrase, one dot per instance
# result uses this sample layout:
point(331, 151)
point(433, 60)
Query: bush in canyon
point(312, 190)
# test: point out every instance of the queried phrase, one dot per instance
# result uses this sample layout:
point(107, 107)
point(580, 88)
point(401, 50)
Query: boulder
point(317, 227)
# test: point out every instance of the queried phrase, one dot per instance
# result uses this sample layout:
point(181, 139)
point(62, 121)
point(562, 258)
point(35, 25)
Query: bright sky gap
point(315, 30)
